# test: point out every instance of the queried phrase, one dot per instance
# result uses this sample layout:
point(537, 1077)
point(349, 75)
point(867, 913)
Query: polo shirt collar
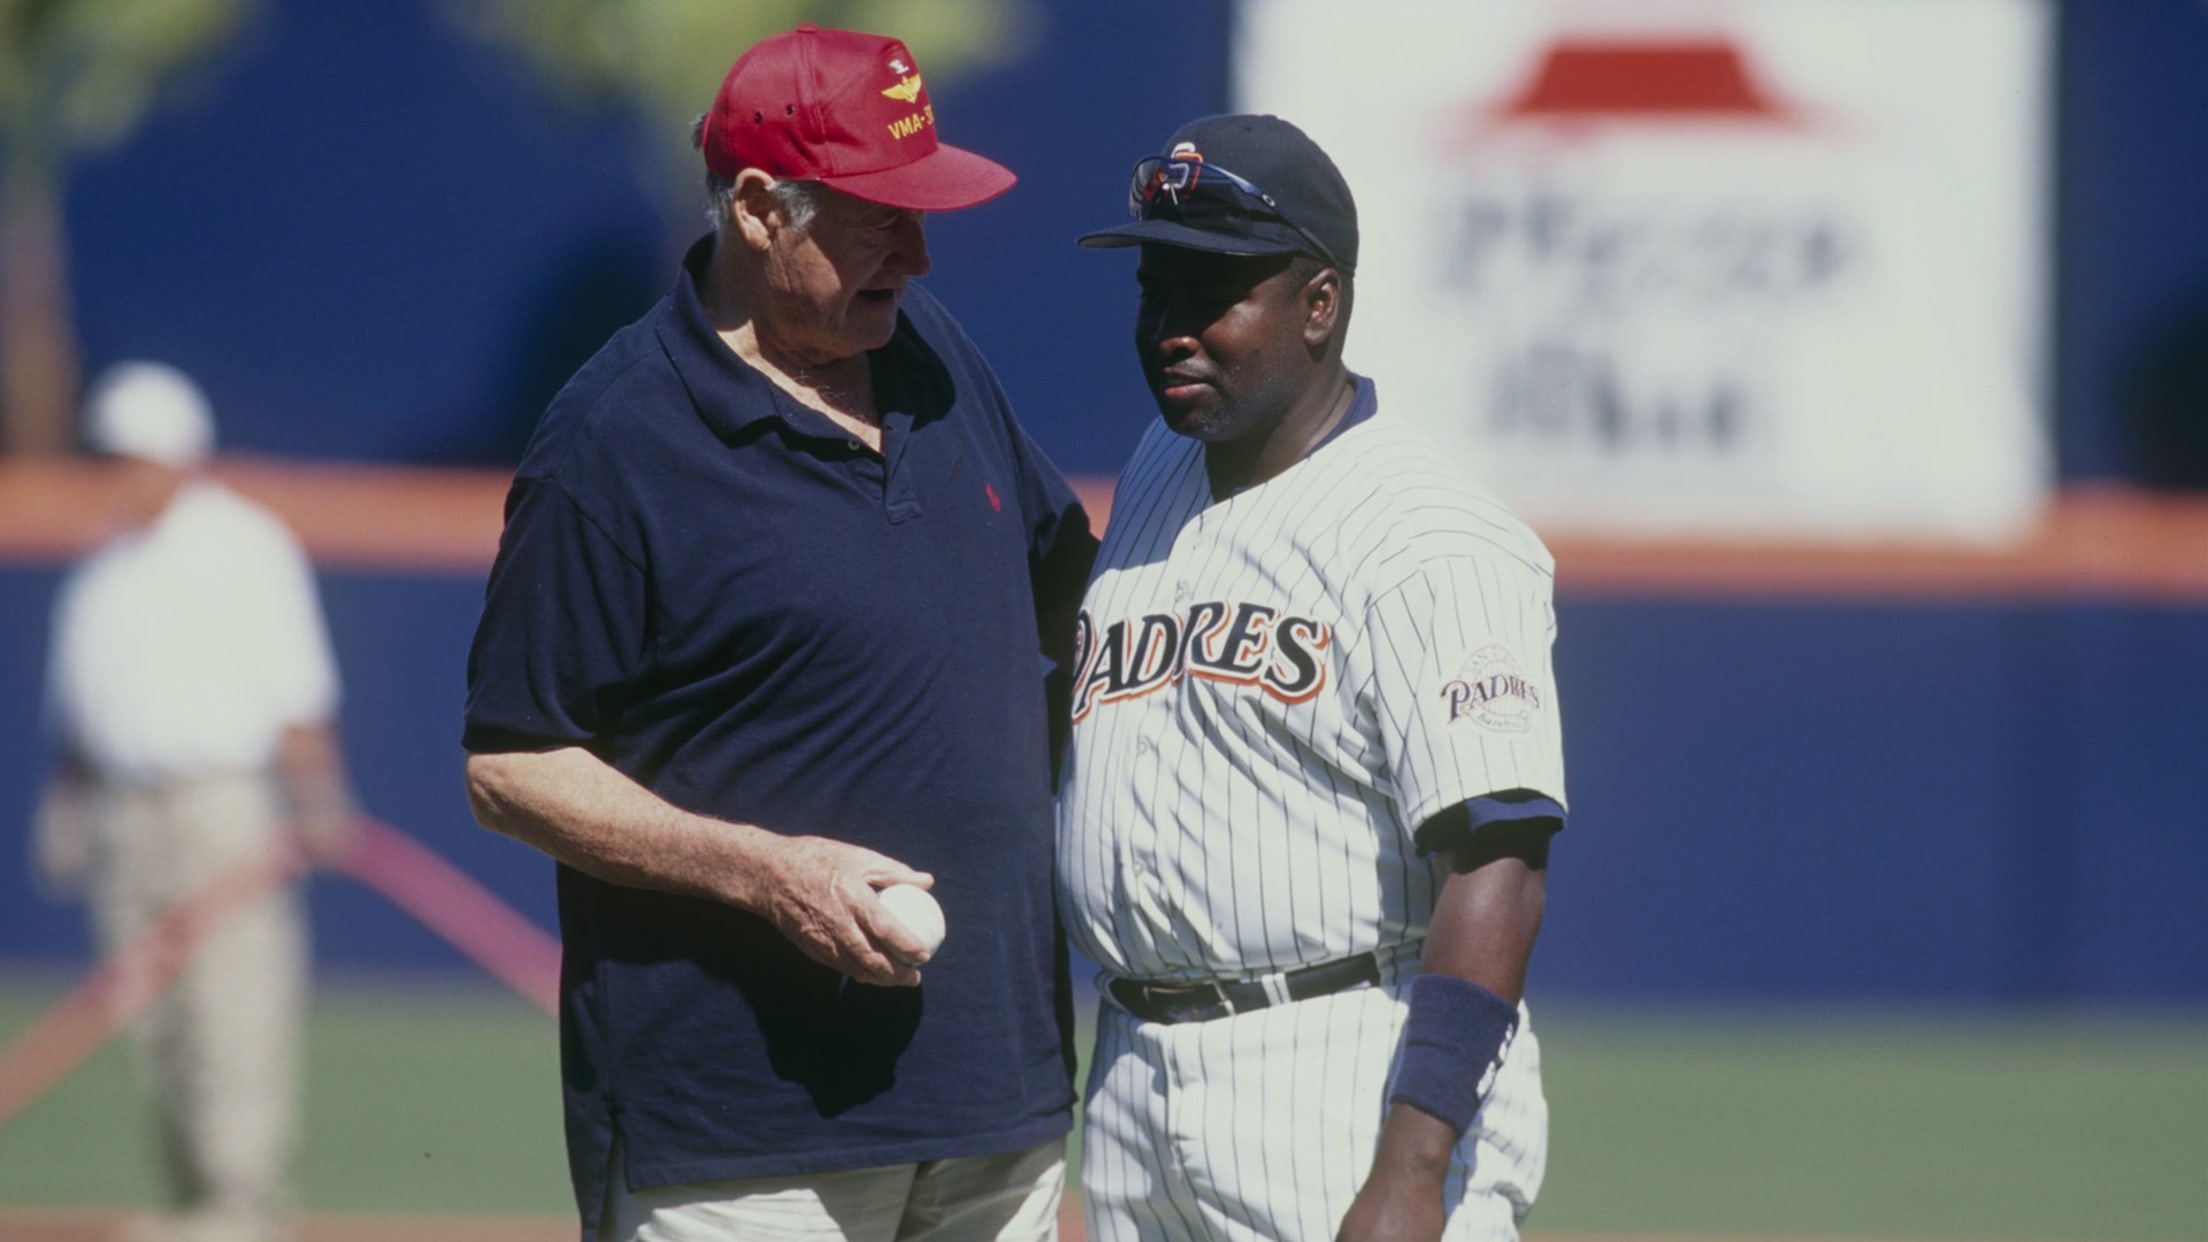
point(730, 394)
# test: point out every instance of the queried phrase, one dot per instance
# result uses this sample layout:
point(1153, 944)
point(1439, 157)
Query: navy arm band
point(1453, 1043)
point(1520, 814)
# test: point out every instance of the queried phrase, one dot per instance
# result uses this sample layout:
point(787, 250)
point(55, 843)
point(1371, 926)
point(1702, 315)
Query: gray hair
point(799, 200)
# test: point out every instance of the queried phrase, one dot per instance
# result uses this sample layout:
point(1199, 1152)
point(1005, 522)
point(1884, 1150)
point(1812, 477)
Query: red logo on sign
point(1587, 80)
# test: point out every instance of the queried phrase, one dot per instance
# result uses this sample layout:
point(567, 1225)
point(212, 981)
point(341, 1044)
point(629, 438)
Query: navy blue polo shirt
point(713, 589)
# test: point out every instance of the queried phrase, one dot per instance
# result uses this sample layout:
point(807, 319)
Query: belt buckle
point(1193, 1002)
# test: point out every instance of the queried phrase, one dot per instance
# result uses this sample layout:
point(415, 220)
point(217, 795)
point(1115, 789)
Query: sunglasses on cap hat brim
point(1184, 189)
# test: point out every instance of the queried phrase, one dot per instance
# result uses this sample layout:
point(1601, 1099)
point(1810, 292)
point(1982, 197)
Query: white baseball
point(917, 911)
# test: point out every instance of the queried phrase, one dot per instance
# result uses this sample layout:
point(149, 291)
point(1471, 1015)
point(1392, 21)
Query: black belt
point(1201, 1002)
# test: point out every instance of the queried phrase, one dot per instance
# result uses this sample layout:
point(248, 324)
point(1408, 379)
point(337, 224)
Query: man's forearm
point(311, 765)
point(62, 828)
point(1483, 932)
point(819, 893)
point(1485, 924)
point(1481, 937)
point(577, 808)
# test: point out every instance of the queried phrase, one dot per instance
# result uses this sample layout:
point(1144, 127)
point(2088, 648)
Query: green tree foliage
point(75, 75)
point(666, 58)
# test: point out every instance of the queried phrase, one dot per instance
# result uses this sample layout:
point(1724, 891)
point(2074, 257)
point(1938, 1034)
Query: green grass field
point(420, 1098)
point(1868, 1127)
point(442, 1098)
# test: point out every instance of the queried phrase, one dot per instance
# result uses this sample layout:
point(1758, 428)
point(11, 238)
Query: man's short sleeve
point(1061, 548)
point(563, 629)
point(1462, 675)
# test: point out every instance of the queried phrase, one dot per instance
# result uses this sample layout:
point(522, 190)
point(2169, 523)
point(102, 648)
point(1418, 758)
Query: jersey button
point(1143, 746)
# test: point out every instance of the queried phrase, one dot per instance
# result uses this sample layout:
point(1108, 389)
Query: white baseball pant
point(1262, 1125)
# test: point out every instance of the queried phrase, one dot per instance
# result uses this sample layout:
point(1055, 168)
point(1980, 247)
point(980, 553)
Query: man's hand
point(1401, 1198)
point(325, 825)
point(310, 761)
point(61, 836)
point(822, 894)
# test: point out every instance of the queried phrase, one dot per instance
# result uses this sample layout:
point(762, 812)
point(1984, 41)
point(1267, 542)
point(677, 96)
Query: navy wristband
point(1453, 1043)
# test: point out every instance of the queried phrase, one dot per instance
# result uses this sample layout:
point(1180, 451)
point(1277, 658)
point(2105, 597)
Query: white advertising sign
point(1767, 267)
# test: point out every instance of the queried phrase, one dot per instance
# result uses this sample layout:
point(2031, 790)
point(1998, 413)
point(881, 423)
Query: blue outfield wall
point(1882, 801)
point(1803, 801)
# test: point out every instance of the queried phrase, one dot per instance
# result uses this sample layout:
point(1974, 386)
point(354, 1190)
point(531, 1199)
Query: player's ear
point(754, 213)
point(1322, 308)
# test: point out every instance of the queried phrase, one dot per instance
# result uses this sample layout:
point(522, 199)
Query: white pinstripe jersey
point(1272, 692)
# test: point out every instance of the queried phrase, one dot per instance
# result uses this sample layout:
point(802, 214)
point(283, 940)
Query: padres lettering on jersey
point(1273, 691)
point(1243, 644)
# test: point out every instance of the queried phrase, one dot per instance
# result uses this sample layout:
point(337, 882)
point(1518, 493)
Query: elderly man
point(194, 692)
point(1315, 760)
point(761, 640)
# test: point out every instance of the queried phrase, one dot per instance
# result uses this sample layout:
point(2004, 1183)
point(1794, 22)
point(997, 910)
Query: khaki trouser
point(220, 1048)
point(1011, 1197)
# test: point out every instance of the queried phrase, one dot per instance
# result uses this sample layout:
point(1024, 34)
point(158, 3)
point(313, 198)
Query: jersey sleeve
point(1465, 689)
point(563, 629)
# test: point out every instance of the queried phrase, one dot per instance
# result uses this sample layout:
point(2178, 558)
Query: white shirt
point(188, 647)
point(1274, 691)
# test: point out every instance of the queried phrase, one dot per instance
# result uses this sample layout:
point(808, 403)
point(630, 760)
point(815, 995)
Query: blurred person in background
point(761, 640)
point(193, 692)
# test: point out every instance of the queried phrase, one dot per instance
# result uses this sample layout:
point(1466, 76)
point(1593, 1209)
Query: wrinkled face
point(834, 286)
point(1221, 339)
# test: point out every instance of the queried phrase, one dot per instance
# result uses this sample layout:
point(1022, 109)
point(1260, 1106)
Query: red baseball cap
point(846, 109)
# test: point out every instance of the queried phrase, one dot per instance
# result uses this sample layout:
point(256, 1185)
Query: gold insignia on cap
point(907, 89)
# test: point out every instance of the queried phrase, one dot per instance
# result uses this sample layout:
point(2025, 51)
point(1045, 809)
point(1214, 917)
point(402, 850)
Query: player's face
point(1221, 340)
point(835, 286)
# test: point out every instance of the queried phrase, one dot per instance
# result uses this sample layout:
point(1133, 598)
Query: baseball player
point(1314, 763)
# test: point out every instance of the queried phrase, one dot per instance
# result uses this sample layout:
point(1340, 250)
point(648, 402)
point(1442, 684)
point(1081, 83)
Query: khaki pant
point(1006, 1198)
point(220, 1048)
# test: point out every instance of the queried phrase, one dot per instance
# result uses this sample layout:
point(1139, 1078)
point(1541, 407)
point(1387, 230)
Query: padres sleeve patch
point(1491, 691)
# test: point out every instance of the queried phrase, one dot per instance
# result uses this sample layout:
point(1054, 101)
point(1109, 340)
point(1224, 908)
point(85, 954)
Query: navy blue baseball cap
point(1242, 184)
